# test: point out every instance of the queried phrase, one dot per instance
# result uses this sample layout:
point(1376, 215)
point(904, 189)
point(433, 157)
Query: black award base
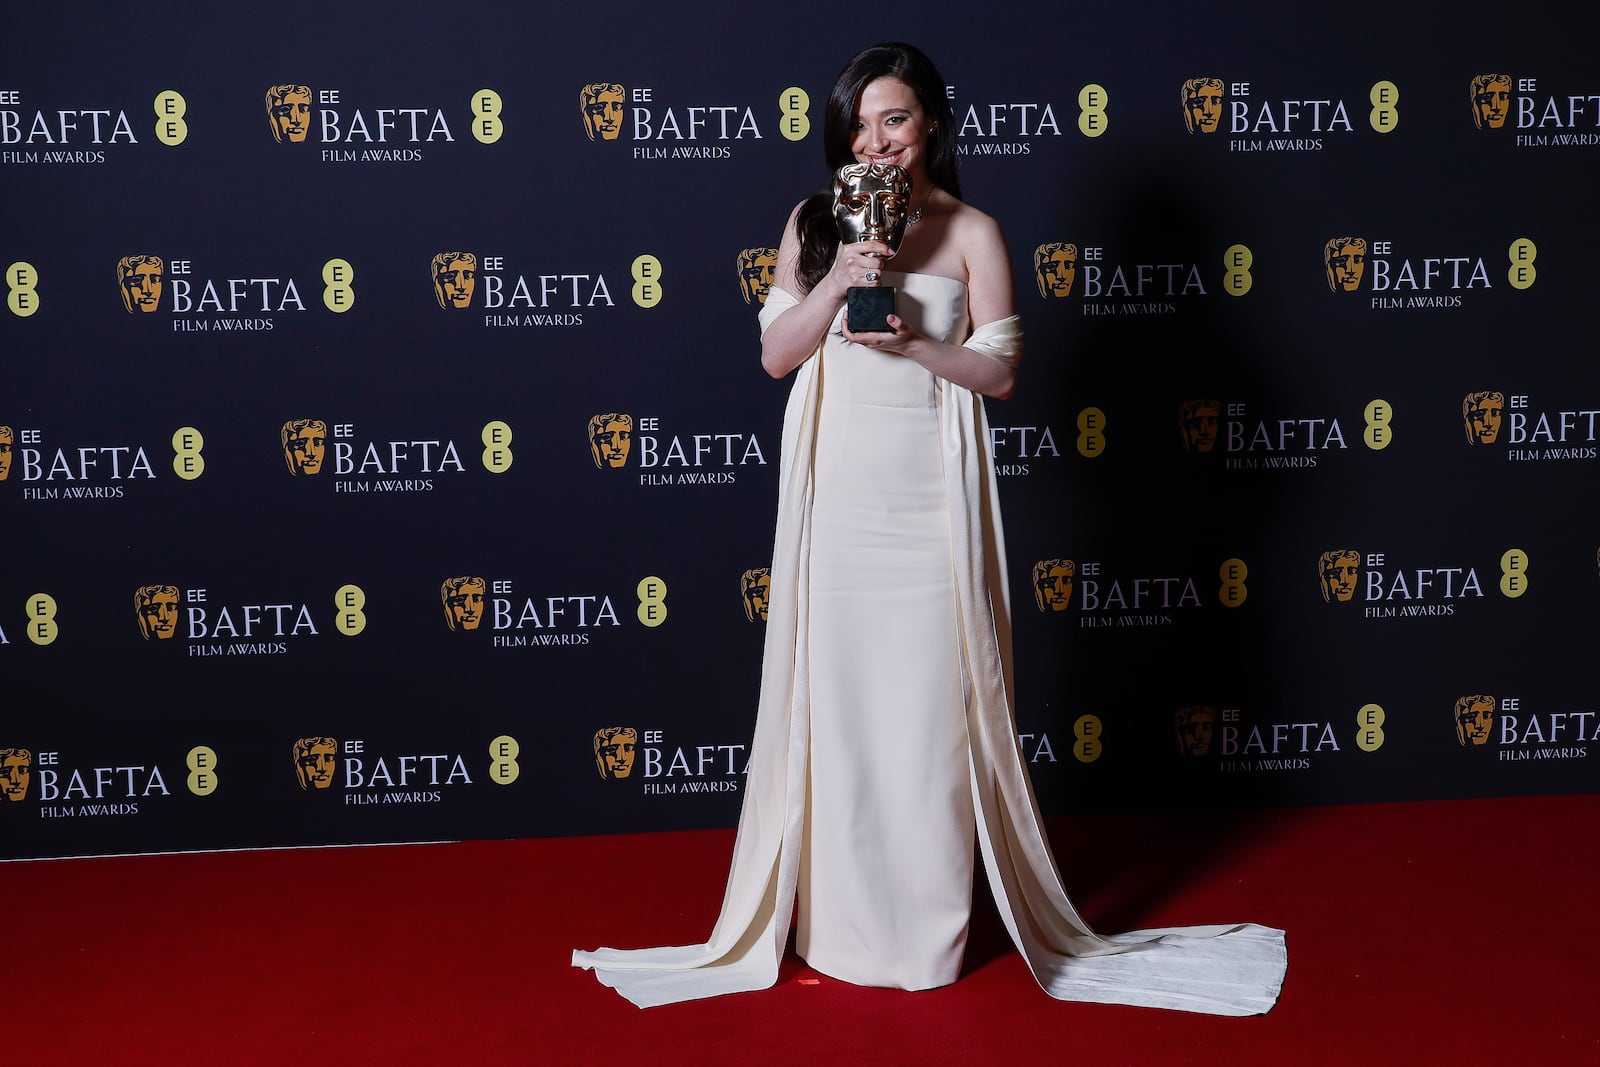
point(867, 309)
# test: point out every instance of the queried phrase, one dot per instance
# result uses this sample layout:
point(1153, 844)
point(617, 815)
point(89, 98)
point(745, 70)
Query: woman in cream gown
point(884, 738)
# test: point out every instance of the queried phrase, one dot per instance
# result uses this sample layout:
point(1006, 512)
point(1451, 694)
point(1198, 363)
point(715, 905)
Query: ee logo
point(496, 447)
point(348, 617)
point(1087, 747)
point(337, 294)
point(170, 127)
point(646, 283)
point(1091, 432)
point(22, 296)
point(652, 601)
point(503, 767)
point(201, 762)
point(1232, 592)
point(793, 103)
point(1092, 101)
point(1237, 280)
point(486, 124)
point(1369, 728)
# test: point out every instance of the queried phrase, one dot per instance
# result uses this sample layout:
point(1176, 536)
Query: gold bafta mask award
point(871, 202)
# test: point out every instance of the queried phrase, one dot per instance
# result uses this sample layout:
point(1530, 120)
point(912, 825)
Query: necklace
point(913, 218)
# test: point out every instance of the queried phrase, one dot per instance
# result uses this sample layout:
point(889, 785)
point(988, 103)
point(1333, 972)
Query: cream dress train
point(884, 738)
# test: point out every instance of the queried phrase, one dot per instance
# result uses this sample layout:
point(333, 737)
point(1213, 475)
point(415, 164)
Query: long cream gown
point(884, 736)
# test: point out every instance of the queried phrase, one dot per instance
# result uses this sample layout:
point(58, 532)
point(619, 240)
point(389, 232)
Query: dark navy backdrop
point(146, 447)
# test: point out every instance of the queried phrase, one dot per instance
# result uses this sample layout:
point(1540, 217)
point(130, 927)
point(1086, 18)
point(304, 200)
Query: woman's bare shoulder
point(972, 223)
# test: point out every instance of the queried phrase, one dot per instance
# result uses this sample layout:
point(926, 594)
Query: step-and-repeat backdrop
point(385, 456)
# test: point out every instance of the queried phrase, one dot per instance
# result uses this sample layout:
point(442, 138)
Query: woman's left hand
point(893, 343)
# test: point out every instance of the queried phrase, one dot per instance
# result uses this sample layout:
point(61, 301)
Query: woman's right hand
point(859, 265)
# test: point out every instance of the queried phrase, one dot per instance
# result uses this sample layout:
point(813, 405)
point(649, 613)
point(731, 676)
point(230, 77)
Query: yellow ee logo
point(1378, 415)
point(1522, 273)
point(1087, 747)
point(1513, 573)
point(652, 601)
point(21, 296)
point(1369, 728)
point(486, 124)
point(170, 127)
point(503, 752)
point(646, 287)
point(496, 447)
point(337, 293)
point(1236, 261)
point(1091, 438)
point(1384, 116)
point(202, 777)
point(1092, 101)
point(792, 106)
point(42, 628)
point(1232, 592)
point(348, 617)
point(187, 462)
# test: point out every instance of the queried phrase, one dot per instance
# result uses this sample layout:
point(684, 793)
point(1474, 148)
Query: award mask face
point(871, 202)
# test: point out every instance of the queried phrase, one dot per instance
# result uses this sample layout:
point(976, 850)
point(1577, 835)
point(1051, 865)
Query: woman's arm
point(791, 338)
point(990, 298)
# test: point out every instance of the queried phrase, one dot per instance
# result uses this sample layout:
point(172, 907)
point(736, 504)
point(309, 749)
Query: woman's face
point(890, 127)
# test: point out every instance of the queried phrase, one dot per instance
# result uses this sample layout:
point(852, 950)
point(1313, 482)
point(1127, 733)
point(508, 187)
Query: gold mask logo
point(1345, 260)
point(755, 587)
point(1052, 583)
point(1194, 727)
point(600, 104)
point(289, 112)
point(462, 599)
point(1339, 572)
point(1491, 100)
point(155, 609)
point(614, 748)
point(1197, 424)
point(7, 439)
point(455, 279)
point(140, 280)
point(1055, 268)
point(315, 760)
point(1474, 717)
point(610, 439)
point(1202, 105)
point(16, 772)
point(1481, 415)
point(758, 268)
point(305, 446)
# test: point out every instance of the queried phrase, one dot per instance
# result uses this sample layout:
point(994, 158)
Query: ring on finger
point(871, 276)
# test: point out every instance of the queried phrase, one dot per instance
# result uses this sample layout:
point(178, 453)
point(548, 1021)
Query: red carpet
point(1461, 933)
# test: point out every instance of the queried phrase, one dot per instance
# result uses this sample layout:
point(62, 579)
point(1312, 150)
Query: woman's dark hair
point(814, 225)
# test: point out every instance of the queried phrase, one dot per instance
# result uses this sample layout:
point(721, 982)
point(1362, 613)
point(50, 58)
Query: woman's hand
point(894, 343)
point(859, 265)
point(862, 266)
